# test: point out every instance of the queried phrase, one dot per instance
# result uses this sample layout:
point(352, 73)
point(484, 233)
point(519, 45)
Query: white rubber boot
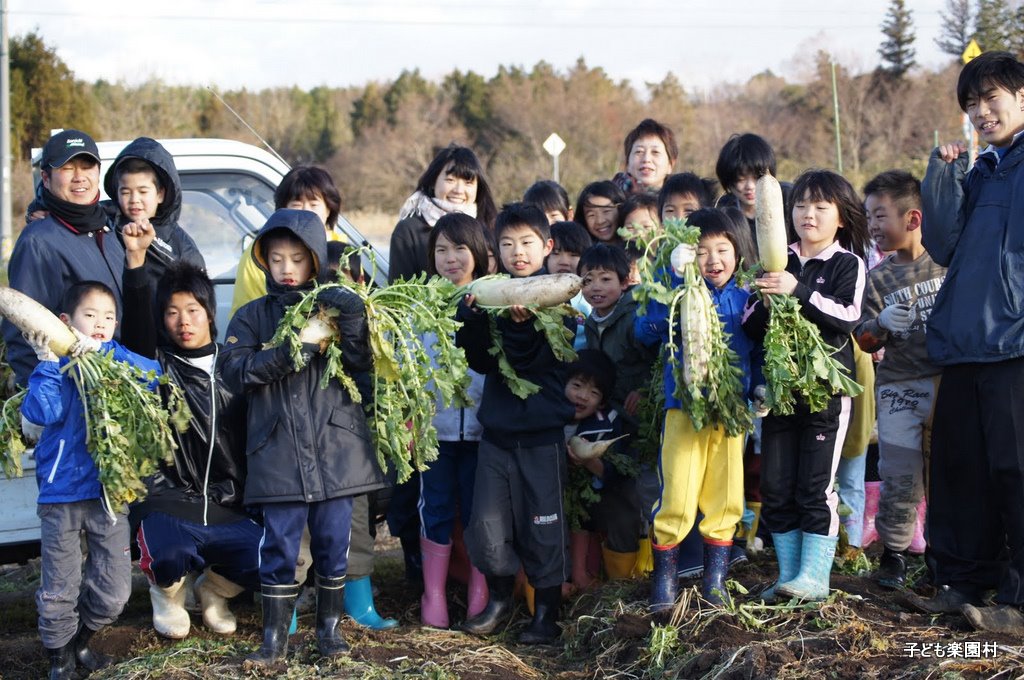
point(214, 592)
point(170, 618)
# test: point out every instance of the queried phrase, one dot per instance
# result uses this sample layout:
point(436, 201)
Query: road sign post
point(554, 145)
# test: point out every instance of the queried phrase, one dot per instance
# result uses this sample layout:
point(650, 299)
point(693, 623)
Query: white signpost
point(554, 145)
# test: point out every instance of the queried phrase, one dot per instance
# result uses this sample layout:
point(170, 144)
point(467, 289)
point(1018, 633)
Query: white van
point(227, 195)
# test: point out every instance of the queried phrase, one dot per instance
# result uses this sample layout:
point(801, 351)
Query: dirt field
point(861, 632)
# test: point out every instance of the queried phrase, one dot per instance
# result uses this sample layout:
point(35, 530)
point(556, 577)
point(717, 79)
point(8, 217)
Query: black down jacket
point(207, 480)
point(304, 443)
point(172, 242)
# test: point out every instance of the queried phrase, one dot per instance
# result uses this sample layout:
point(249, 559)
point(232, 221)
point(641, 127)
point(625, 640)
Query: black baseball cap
point(65, 145)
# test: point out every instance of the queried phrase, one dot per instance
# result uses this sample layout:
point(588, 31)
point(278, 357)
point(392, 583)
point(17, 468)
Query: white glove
point(30, 432)
point(39, 341)
point(83, 344)
point(896, 318)
point(316, 331)
point(682, 255)
point(760, 396)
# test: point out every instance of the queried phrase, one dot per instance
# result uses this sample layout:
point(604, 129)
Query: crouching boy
point(521, 464)
point(308, 449)
point(72, 606)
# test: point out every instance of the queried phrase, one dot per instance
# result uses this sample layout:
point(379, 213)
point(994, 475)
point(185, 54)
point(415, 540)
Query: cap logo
point(78, 141)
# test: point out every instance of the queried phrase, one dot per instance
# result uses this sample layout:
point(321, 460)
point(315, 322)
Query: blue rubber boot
point(359, 605)
point(690, 558)
point(716, 566)
point(295, 623)
point(816, 555)
point(664, 582)
point(787, 552)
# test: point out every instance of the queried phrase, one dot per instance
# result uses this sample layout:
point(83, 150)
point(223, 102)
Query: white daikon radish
point(30, 316)
point(770, 218)
point(586, 450)
point(546, 290)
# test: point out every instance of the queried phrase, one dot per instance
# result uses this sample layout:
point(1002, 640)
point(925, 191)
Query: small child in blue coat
point(73, 606)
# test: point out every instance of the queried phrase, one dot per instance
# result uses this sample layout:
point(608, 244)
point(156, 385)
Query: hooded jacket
point(172, 243)
point(974, 224)
point(65, 470)
point(304, 443)
point(205, 484)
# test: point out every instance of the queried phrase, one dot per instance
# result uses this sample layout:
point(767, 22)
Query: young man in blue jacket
point(72, 607)
point(974, 224)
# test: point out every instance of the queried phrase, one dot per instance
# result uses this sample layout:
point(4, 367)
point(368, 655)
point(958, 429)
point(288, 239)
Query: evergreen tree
point(44, 94)
point(897, 49)
point(992, 25)
point(956, 24)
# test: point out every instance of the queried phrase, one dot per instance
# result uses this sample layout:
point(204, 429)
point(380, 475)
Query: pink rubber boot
point(872, 491)
point(917, 544)
point(434, 602)
point(478, 595)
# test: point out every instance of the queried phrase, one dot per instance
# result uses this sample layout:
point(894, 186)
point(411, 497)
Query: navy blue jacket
point(48, 258)
point(303, 443)
point(974, 224)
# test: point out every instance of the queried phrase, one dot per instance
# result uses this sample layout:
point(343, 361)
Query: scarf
point(83, 218)
point(433, 209)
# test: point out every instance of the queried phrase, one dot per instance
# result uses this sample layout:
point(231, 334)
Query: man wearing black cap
point(73, 243)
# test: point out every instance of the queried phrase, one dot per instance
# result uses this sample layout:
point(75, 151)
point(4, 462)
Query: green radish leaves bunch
point(128, 426)
point(10, 435)
point(402, 319)
point(797, 362)
point(708, 379)
point(546, 296)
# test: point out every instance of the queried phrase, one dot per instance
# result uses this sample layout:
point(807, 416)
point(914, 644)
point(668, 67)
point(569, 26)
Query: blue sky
point(261, 43)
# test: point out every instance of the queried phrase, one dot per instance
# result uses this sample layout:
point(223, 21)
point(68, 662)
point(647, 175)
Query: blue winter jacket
point(65, 470)
point(652, 328)
point(974, 224)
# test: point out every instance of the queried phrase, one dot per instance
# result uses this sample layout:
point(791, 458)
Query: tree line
point(377, 138)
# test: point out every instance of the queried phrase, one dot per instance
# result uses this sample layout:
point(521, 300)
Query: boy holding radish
point(614, 512)
point(518, 517)
point(974, 224)
point(898, 300)
point(72, 606)
point(308, 449)
point(699, 468)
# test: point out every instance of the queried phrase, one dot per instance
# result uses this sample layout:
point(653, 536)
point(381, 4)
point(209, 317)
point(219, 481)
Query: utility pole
point(6, 235)
point(835, 114)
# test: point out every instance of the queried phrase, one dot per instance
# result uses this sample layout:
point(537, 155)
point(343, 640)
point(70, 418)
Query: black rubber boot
point(664, 582)
point(892, 569)
point(716, 566)
point(544, 630)
point(330, 606)
point(278, 605)
point(62, 662)
point(87, 658)
point(498, 606)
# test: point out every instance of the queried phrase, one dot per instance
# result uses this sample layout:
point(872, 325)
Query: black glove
point(342, 299)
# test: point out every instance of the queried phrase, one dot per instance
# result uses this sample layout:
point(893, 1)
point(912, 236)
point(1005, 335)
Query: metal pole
point(835, 114)
point(6, 235)
point(554, 173)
